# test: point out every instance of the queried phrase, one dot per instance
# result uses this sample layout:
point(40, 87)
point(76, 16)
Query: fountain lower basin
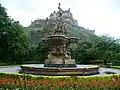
point(39, 69)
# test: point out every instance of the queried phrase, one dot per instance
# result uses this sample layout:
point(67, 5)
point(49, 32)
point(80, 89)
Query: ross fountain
point(59, 61)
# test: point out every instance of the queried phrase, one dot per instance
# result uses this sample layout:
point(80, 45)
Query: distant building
point(67, 16)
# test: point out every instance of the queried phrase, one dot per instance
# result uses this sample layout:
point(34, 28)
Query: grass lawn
point(118, 67)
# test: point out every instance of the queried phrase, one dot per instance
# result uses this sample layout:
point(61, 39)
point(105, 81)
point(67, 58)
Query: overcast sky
point(101, 15)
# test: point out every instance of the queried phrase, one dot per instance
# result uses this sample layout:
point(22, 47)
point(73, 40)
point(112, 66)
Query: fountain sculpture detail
point(59, 61)
point(58, 42)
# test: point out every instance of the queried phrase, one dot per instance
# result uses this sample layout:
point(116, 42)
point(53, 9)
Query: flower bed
point(33, 82)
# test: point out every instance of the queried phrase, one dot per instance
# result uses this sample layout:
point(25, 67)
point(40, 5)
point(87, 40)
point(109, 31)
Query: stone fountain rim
point(83, 66)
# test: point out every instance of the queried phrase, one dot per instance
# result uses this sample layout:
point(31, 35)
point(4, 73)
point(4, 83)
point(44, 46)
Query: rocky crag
point(40, 28)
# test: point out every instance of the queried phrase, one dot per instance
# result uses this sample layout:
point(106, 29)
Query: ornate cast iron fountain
point(58, 42)
point(59, 61)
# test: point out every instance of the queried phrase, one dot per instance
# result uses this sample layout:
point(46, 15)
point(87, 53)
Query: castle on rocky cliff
point(67, 16)
point(40, 28)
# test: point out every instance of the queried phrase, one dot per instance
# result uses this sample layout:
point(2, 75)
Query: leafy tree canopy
point(13, 38)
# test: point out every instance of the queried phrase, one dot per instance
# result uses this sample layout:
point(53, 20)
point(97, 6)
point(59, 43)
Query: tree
point(42, 51)
point(107, 47)
point(13, 39)
point(103, 50)
point(81, 51)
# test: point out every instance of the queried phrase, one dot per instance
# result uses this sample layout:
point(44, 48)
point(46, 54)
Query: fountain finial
point(59, 28)
point(60, 10)
point(59, 5)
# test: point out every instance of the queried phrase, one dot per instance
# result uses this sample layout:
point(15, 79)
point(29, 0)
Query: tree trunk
point(105, 62)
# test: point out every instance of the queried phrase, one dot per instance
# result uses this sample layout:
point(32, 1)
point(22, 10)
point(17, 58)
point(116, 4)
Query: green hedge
point(39, 77)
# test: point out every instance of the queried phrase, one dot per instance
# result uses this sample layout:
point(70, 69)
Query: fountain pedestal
point(58, 56)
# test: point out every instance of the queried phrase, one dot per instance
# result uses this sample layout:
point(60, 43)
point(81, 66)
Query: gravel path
point(112, 70)
point(14, 69)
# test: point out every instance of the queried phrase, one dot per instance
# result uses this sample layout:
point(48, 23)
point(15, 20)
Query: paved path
point(104, 70)
point(16, 69)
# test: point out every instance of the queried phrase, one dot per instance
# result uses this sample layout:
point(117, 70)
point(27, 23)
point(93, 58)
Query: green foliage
point(42, 51)
point(37, 54)
point(13, 39)
point(118, 67)
point(108, 48)
point(105, 49)
point(84, 52)
point(39, 77)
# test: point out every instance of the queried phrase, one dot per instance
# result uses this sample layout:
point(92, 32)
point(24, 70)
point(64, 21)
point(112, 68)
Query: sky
point(101, 15)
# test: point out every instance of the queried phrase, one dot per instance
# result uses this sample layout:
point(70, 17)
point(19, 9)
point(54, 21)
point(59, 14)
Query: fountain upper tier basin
point(60, 40)
point(39, 69)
